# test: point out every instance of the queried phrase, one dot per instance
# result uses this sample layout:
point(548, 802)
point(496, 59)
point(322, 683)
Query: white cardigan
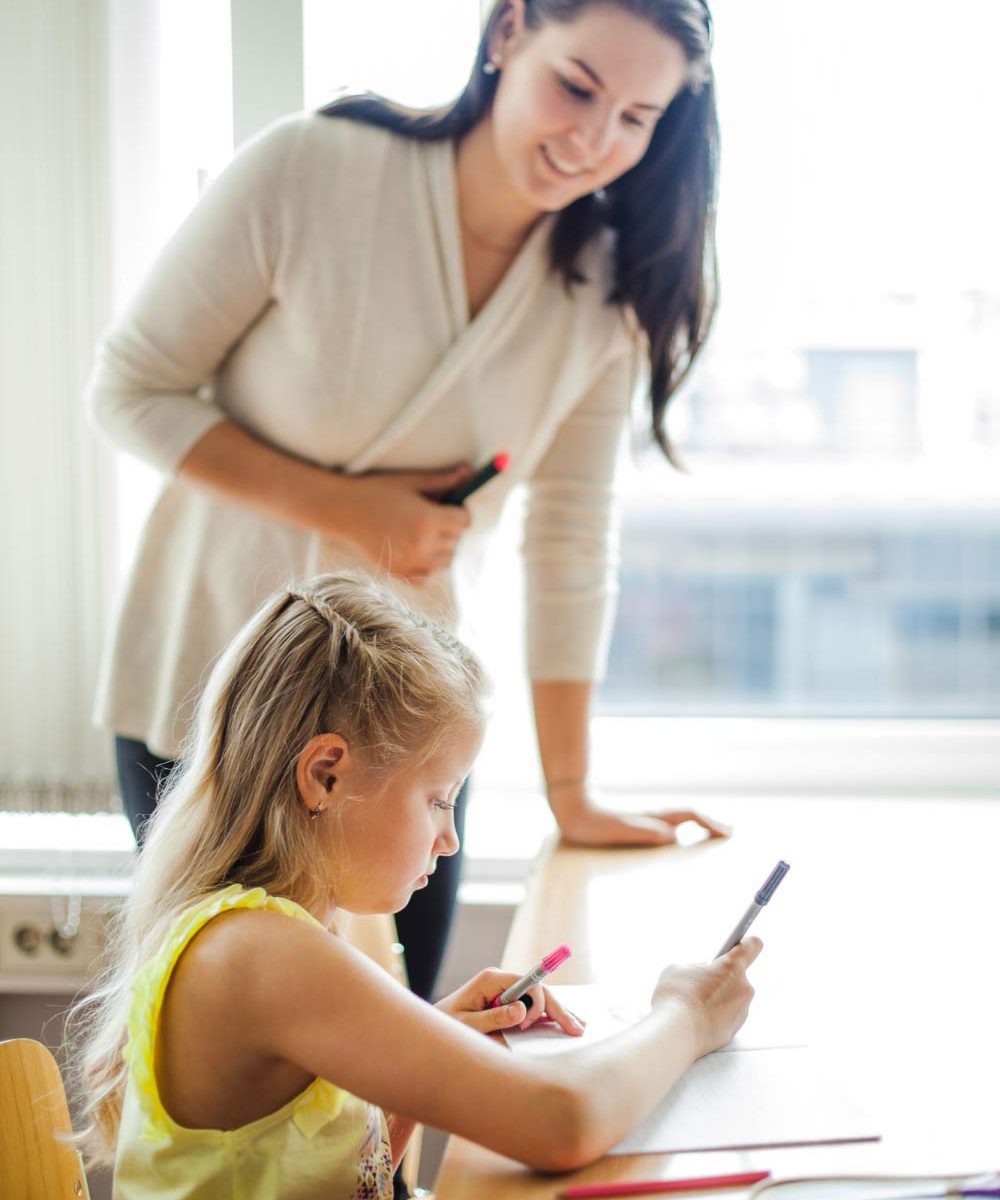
point(316, 297)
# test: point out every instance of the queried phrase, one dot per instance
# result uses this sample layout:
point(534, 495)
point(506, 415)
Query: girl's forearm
point(619, 1081)
point(243, 469)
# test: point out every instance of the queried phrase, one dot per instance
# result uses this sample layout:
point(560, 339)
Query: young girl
point(242, 1048)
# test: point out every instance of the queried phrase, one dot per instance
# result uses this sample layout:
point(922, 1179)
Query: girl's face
point(576, 104)
point(389, 845)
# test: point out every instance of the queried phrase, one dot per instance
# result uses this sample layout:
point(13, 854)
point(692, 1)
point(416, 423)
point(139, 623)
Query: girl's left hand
point(471, 1003)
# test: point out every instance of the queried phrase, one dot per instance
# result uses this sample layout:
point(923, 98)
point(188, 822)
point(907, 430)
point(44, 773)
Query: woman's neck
point(490, 212)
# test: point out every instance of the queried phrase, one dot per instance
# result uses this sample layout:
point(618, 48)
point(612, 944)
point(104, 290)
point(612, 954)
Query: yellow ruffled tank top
point(324, 1143)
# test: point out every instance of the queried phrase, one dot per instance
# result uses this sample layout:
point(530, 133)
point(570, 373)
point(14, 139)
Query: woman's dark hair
point(663, 209)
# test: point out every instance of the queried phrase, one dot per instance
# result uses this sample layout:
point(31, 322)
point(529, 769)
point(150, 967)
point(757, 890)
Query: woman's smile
point(560, 166)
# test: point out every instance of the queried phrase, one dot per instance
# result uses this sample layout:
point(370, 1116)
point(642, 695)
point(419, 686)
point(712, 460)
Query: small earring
point(492, 66)
point(320, 808)
point(600, 195)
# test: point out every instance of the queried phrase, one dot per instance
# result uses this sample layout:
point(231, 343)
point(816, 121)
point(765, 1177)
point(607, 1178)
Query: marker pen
point(459, 495)
point(535, 975)
point(766, 892)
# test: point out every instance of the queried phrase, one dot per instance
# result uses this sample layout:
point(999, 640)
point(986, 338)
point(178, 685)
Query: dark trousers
point(423, 925)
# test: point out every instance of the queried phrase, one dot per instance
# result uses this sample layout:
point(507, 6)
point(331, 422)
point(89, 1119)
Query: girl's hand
point(471, 1003)
point(716, 994)
point(393, 517)
point(585, 824)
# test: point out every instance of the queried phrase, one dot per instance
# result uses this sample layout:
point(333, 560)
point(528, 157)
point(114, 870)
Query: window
point(837, 547)
point(172, 137)
point(417, 54)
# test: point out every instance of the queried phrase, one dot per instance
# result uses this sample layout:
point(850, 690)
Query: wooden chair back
point(36, 1163)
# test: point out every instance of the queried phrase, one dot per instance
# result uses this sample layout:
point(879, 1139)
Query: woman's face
point(576, 104)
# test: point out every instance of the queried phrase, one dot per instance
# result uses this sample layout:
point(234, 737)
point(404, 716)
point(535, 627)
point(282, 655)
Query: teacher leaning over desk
point(369, 296)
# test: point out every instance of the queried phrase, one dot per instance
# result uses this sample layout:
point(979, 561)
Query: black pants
point(423, 925)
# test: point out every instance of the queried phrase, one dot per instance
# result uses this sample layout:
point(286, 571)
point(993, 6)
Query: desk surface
point(881, 950)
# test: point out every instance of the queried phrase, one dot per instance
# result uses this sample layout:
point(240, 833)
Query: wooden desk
point(881, 949)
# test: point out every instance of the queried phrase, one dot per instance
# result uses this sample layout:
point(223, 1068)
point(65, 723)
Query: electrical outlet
point(35, 951)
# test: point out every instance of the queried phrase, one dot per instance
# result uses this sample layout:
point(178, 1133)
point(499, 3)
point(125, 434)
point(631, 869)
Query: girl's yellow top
point(324, 1143)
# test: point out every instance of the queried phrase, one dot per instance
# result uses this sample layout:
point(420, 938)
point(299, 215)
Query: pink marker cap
point(501, 461)
point(556, 958)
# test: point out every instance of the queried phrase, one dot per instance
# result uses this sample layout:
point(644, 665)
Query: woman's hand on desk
point(471, 1004)
point(586, 824)
point(393, 518)
point(716, 994)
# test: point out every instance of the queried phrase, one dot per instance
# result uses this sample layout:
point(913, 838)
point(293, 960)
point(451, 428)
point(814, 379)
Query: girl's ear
point(324, 759)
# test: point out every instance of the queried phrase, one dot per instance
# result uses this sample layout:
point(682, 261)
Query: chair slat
point(34, 1163)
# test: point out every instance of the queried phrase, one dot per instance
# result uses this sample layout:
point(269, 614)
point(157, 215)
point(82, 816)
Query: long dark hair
point(663, 209)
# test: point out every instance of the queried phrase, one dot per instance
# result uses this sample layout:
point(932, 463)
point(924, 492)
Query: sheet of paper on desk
point(607, 1012)
point(733, 1099)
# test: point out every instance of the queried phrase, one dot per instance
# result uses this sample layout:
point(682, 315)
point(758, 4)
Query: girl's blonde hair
point(338, 654)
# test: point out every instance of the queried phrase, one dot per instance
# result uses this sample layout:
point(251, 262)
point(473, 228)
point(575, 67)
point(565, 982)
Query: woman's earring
point(600, 195)
point(320, 808)
point(492, 65)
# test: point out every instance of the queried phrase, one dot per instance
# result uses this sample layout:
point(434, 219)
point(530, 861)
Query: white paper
point(737, 1098)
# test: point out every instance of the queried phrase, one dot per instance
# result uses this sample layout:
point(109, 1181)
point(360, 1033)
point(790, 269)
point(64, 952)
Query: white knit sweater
point(315, 296)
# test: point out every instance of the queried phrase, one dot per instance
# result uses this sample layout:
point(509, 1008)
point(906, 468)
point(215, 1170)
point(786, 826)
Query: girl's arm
point(307, 998)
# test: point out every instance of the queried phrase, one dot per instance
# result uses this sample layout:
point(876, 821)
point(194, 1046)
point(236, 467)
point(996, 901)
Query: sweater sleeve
point(209, 284)
point(571, 533)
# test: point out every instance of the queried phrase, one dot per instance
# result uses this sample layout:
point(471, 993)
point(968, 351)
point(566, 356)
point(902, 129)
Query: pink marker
point(535, 975)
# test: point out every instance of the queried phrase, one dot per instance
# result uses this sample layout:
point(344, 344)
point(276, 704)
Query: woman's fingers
point(677, 817)
point(438, 483)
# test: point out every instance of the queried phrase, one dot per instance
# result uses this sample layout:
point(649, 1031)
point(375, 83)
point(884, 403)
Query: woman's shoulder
point(335, 166)
point(327, 133)
point(311, 143)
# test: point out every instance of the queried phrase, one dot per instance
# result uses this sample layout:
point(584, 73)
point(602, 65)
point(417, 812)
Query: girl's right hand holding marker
point(472, 1004)
point(717, 995)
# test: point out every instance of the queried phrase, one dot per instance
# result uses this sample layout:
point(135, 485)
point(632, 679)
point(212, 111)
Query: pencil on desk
point(650, 1187)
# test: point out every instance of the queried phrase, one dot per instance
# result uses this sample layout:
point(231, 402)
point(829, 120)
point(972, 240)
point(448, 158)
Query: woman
point(369, 296)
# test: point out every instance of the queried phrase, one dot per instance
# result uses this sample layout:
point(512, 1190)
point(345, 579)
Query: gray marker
point(748, 918)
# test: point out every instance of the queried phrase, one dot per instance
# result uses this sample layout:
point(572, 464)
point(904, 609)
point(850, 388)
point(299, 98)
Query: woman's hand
point(471, 1003)
point(394, 518)
point(716, 994)
point(585, 824)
